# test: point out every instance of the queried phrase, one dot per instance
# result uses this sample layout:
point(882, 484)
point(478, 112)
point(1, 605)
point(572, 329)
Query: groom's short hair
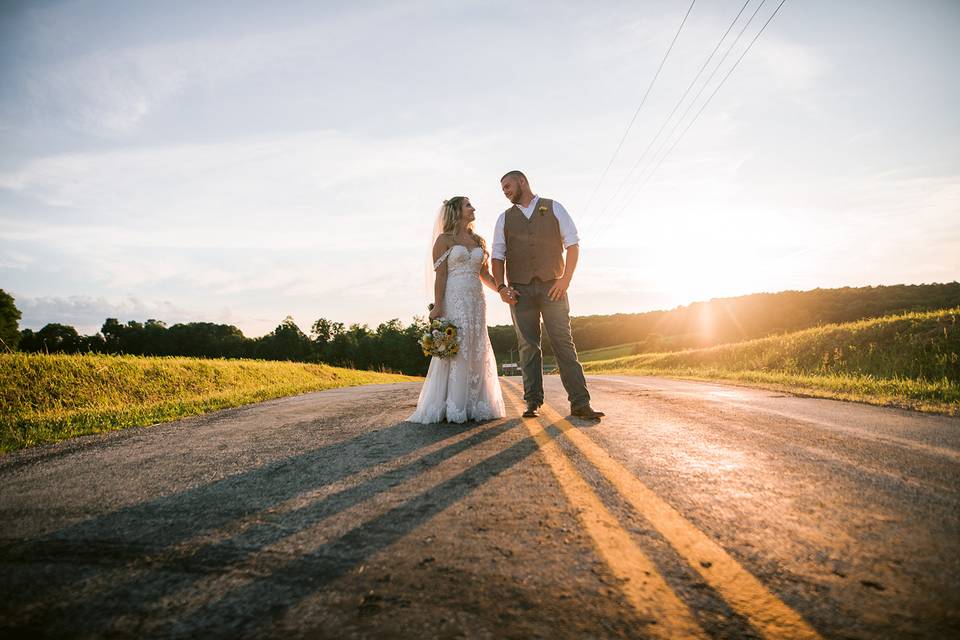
point(514, 174)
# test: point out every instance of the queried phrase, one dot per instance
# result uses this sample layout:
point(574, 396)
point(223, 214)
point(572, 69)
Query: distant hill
point(909, 360)
point(726, 320)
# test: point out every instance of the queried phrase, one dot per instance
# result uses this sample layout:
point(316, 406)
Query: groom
point(530, 237)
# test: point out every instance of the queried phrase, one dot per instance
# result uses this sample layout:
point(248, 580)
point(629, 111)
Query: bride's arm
point(440, 281)
point(486, 278)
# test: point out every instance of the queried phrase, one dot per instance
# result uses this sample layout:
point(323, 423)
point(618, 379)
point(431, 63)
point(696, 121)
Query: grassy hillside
point(910, 360)
point(609, 353)
point(47, 398)
point(728, 320)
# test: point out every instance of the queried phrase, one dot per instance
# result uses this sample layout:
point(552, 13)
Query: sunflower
point(449, 331)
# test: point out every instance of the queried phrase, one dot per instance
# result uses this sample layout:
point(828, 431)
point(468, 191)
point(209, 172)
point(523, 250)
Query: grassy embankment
point(48, 398)
point(910, 360)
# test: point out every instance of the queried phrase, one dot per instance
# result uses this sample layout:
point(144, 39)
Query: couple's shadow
point(151, 545)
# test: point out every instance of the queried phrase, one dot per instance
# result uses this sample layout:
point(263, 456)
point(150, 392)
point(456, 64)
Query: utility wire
point(706, 84)
point(637, 112)
point(700, 111)
point(673, 111)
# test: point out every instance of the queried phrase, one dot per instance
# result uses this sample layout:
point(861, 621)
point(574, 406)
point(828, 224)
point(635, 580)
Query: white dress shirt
point(567, 229)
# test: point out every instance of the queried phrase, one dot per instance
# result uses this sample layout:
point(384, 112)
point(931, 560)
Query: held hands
point(509, 295)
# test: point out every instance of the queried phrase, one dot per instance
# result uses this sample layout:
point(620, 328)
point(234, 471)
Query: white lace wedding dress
point(464, 387)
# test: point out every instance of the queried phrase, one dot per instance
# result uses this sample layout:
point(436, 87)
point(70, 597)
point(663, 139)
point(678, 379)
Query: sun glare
point(718, 253)
point(705, 270)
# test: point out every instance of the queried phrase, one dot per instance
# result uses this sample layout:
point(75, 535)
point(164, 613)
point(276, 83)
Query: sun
point(711, 261)
point(706, 272)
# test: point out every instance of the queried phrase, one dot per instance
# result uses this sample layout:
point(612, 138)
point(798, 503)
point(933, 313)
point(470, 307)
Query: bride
point(465, 386)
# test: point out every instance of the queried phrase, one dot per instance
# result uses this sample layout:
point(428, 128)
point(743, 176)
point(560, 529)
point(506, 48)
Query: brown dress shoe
point(531, 411)
point(586, 411)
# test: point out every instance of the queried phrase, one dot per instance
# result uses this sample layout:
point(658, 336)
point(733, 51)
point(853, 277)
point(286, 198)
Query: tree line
point(392, 346)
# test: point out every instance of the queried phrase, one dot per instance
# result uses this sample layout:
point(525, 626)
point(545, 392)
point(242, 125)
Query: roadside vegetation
point(726, 320)
point(910, 360)
point(48, 398)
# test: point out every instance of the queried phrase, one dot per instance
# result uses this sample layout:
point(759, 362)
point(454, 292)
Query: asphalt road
point(691, 510)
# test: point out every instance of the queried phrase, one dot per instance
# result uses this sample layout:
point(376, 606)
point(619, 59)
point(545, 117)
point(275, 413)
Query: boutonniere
point(542, 209)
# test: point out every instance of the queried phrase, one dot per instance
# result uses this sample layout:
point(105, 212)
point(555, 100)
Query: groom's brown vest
point(534, 246)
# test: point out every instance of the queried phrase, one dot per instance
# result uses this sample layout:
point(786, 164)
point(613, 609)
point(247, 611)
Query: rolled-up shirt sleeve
point(499, 240)
point(568, 230)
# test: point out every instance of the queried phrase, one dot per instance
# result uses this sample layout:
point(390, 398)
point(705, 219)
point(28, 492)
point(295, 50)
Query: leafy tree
point(154, 338)
point(286, 342)
point(323, 331)
point(92, 344)
point(503, 339)
point(9, 322)
point(207, 340)
point(29, 342)
point(395, 347)
point(112, 332)
point(52, 338)
point(351, 348)
point(135, 338)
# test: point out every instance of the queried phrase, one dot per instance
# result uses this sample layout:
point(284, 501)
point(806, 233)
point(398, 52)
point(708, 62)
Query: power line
point(674, 110)
point(706, 84)
point(704, 106)
point(637, 112)
point(717, 89)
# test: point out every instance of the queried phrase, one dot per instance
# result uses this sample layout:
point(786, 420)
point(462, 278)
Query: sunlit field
point(48, 398)
point(910, 360)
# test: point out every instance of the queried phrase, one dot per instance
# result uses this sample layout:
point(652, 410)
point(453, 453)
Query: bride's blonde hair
point(452, 210)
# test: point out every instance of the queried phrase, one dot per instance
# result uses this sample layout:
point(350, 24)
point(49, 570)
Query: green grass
point(607, 353)
point(48, 398)
point(910, 360)
point(600, 353)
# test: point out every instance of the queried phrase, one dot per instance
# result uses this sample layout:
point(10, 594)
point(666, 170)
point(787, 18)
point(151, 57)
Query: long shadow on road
point(259, 602)
point(142, 538)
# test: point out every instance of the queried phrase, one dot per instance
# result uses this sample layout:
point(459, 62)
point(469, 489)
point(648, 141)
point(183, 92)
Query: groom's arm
point(569, 266)
point(571, 242)
point(497, 268)
point(498, 255)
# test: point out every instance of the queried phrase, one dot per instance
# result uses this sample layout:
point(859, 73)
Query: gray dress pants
point(533, 303)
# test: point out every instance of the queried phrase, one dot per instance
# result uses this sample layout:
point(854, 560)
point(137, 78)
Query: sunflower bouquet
point(440, 340)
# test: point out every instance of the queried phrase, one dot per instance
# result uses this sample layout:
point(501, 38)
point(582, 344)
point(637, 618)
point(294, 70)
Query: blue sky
point(238, 162)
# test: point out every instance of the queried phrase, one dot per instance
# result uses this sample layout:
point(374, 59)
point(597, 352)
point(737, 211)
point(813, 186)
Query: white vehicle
point(510, 369)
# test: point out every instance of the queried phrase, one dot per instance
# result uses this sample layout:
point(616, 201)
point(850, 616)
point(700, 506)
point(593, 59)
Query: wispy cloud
point(310, 189)
point(111, 90)
point(14, 259)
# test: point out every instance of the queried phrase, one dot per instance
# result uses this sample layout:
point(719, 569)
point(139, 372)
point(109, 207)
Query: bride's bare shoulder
point(444, 242)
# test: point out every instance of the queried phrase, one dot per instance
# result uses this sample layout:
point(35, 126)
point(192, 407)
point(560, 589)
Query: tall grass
point(910, 360)
point(47, 398)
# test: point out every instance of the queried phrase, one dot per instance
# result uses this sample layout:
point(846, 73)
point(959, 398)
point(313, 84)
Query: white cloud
point(14, 259)
point(310, 189)
point(110, 91)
